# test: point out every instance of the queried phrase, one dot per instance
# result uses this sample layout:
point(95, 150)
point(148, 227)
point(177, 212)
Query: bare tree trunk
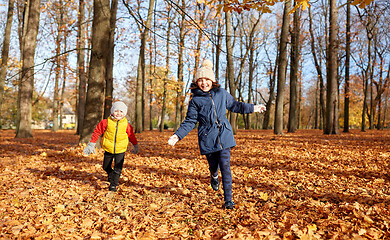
point(268, 105)
point(347, 63)
point(26, 85)
point(180, 68)
point(282, 66)
point(110, 60)
point(292, 117)
point(166, 77)
point(80, 66)
point(56, 98)
point(4, 54)
point(97, 69)
point(140, 93)
point(319, 72)
point(64, 78)
point(332, 126)
point(230, 66)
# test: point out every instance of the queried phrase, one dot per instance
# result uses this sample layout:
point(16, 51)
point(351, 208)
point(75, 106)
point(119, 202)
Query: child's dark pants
point(113, 174)
point(221, 160)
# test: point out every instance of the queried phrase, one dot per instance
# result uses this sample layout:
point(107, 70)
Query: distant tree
point(317, 63)
point(180, 66)
point(170, 20)
point(26, 84)
point(144, 28)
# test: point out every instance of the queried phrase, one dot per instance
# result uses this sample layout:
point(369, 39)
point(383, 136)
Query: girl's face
point(205, 84)
point(118, 114)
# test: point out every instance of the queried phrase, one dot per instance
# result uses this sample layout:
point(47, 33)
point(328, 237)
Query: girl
point(215, 135)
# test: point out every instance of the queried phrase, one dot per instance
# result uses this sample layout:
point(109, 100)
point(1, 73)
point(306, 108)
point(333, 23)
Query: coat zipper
point(116, 131)
point(217, 122)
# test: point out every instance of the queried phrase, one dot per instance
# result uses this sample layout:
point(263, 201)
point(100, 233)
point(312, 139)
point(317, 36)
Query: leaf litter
point(303, 185)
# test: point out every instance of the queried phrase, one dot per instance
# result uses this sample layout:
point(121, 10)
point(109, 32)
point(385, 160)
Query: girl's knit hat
point(119, 106)
point(205, 71)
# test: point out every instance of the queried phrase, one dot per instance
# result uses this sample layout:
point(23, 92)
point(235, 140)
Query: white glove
point(173, 140)
point(136, 149)
point(90, 148)
point(259, 108)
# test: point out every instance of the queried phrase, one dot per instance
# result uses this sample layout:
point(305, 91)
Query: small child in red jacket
point(117, 133)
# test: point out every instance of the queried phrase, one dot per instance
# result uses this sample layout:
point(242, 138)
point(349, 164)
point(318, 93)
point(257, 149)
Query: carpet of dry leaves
point(304, 185)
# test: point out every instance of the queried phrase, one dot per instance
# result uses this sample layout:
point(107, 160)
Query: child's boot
point(214, 182)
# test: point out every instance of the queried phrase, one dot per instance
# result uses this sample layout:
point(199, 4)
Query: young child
point(208, 106)
point(117, 133)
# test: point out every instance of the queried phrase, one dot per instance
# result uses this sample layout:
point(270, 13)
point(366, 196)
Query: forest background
point(147, 53)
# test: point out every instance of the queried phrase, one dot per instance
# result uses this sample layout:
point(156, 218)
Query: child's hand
point(259, 108)
point(173, 140)
point(90, 148)
point(136, 149)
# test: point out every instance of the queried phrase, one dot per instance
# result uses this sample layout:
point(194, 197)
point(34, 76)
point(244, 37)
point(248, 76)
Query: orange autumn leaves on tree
point(263, 6)
point(304, 185)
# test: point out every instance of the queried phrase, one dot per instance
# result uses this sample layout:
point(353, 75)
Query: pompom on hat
point(119, 106)
point(206, 71)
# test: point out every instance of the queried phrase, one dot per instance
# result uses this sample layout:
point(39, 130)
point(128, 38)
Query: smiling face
point(204, 84)
point(118, 114)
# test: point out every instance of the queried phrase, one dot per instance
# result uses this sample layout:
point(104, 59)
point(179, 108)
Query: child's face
point(204, 84)
point(118, 114)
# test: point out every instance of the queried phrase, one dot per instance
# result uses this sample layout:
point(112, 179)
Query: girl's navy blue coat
point(209, 109)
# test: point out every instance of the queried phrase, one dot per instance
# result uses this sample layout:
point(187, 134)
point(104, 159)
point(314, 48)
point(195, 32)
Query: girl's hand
point(173, 140)
point(259, 108)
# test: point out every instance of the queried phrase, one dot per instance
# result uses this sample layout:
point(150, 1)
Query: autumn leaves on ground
point(305, 185)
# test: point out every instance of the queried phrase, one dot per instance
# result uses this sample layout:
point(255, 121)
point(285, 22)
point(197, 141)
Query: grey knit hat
point(119, 106)
point(206, 71)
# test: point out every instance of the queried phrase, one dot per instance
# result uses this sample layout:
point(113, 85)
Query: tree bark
point(318, 67)
point(282, 66)
point(26, 85)
point(4, 54)
point(230, 66)
point(56, 97)
point(347, 64)
point(180, 68)
point(110, 61)
point(139, 104)
point(82, 83)
point(332, 125)
point(166, 77)
point(295, 45)
point(97, 69)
